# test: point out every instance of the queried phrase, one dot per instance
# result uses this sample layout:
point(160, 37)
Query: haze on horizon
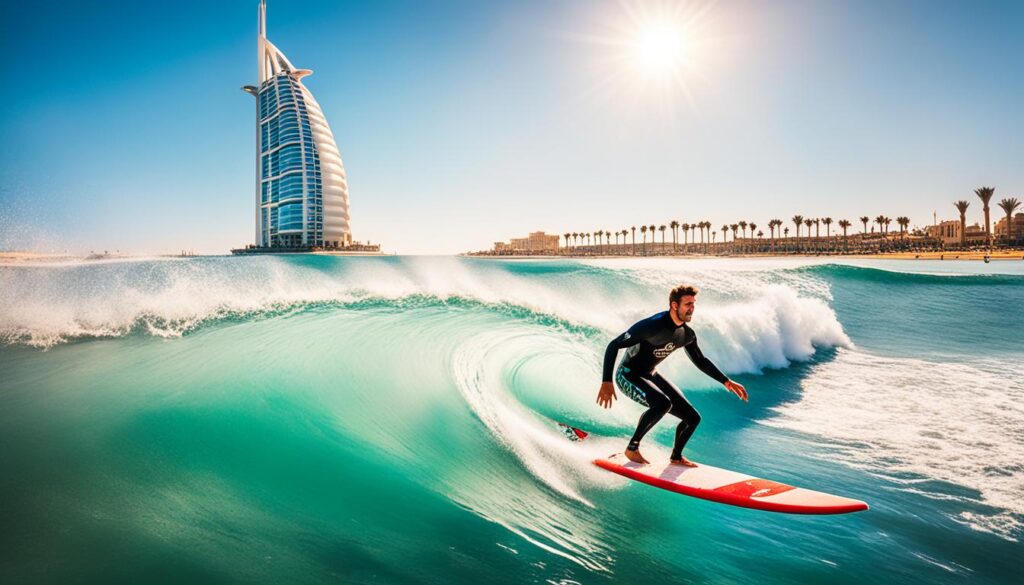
point(461, 123)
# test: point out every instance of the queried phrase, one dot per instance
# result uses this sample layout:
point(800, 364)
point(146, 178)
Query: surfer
point(647, 343)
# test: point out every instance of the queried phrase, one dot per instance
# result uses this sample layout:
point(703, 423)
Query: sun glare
point(658, 52)
point(659, 48)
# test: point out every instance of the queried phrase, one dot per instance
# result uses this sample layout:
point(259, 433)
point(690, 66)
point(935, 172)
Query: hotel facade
point(301, 188)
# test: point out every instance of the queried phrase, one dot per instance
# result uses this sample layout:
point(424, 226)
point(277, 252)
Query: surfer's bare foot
point(682, 461)
point(635, 456)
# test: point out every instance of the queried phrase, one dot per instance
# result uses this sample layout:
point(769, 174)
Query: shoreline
point(1002, 255)
point(29, 258)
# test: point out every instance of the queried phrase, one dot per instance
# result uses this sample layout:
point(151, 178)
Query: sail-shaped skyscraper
point(301, 190)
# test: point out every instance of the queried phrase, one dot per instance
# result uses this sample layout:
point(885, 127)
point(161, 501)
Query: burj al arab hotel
point(301, 190)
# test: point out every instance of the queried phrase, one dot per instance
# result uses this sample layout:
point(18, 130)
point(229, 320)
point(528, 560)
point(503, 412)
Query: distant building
point(948, 232)
point(999, 230)
point(301, 188)
point(536, 242)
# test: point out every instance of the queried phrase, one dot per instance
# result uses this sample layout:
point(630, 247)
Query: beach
point(1013, 254)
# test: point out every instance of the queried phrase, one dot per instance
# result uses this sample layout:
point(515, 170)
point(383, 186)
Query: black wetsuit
point(649, 342)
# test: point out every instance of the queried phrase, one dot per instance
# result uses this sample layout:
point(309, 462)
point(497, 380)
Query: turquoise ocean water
point(387, 420)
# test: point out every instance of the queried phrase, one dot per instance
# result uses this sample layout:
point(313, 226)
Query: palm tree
point(864, 220)
point(828, 233)
point(566, 236)
point(607, 238)
point(634, 240)
point(735, 228)
point(674, 225)
point(880, 220)
point(798, 219)
point(599, 233)
point(643, 232)
point(575, 239)
point(661, 229)
point(771, 232)
point(753, 226)
point(904, 221)
point(846, 242)
point(962, 206)
point(725, 235)
point(743, 228)
point(1009, 206)
point(808, 222)
point(985, 194)
point(785, 232)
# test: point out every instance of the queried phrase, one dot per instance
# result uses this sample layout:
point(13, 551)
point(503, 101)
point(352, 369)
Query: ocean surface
point(314, 419)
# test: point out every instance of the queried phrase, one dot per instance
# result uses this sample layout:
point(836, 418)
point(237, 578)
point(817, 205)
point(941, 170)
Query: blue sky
point(462, 122)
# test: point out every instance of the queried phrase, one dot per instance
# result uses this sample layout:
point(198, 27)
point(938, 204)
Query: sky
point(461, 123)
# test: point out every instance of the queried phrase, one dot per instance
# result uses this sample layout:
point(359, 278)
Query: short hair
point(683, 290)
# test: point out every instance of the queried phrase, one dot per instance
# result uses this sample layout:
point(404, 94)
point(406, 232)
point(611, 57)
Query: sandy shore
point(1017, 255)
point(995, 255)
point(22, 257)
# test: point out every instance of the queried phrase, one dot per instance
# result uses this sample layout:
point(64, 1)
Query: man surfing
point(649, 342)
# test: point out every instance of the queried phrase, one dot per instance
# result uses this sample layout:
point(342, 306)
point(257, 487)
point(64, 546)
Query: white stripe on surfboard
point(703, 476)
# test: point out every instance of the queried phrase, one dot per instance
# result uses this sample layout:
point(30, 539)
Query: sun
point(658, 57)
point(659, 48)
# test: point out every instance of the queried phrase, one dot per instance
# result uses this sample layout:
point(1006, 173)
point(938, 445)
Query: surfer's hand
point(606, 394)
point(736, 389)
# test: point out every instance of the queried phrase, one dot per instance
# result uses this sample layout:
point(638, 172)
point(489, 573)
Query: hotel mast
point(301, 190)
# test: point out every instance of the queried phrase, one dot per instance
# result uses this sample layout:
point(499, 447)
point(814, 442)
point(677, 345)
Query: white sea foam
point(482, 367)
point(44, 307)
point(910, 419)
point(761, 324)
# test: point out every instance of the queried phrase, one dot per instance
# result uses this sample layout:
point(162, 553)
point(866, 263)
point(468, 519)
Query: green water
point(323, 420)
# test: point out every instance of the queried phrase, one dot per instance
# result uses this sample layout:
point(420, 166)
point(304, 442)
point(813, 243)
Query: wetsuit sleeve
point(703, 363)
point(632, 336)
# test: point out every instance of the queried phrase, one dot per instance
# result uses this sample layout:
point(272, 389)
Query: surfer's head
point(681, 301)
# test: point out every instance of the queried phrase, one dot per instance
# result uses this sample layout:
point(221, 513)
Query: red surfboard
point(730, 487)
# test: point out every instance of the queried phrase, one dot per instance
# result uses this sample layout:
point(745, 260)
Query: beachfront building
point(1017, 233)
point(301, 189)
point(535, 243)
point(948, 232)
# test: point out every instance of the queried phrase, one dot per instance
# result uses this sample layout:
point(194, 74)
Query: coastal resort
point(947, 239)
point(302, 200)
point(535, 243)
